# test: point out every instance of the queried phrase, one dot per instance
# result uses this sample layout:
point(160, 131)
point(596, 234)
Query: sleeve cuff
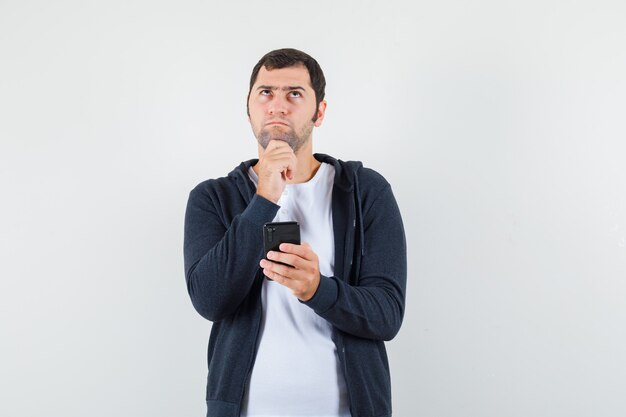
point(325, 296)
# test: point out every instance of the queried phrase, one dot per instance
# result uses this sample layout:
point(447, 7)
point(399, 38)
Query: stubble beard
point(295, 140)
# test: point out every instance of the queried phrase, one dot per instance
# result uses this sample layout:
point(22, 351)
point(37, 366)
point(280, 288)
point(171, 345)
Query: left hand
point(304, 278)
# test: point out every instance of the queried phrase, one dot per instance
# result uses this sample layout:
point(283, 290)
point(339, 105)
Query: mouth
point(276, 124)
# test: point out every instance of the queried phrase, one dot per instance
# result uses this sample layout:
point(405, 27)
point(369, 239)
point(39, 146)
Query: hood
point(346, 179)
point(345, 174)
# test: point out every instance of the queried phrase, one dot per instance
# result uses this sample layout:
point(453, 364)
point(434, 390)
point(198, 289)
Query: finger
point(278, 146)
point(294, 286)
point(276, 143)
point(286, 258)
point(274, 276)
point(280, 162)
point(282, 150)
point(287, 271)
point(267, 267)
point(303, 250)
point(283, 272)
point(292, 165)
point(283, 159)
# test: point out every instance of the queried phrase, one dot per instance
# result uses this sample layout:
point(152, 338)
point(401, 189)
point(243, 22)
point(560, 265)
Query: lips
point(276, 123)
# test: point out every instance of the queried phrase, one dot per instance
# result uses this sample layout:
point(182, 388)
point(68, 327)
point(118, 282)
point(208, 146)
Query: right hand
point(276, 165)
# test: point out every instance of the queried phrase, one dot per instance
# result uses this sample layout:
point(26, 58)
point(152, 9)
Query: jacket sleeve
point(221, 262)
point(374, 307)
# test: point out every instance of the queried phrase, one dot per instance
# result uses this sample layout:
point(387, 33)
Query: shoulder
point(227, 185)
point(213, 190)
point(354, 173)
point(368, 183)
point(210, 186)
point(370, 179)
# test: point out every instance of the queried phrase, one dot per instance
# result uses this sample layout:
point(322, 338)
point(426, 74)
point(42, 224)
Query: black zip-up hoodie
point(364, 300)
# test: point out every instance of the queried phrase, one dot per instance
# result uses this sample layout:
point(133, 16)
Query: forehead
point(282, 77)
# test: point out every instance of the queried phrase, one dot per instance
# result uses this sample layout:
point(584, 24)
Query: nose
point(278, 105)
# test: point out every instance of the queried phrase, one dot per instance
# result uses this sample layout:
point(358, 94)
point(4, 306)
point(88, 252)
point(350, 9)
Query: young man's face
point(282, 106)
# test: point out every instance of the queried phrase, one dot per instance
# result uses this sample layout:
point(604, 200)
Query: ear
point(321, 110)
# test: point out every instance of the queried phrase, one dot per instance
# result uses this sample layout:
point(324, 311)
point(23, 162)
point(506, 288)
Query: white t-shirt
point(297, 371)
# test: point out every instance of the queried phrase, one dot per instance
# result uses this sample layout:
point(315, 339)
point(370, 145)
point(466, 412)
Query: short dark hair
point(288, 57)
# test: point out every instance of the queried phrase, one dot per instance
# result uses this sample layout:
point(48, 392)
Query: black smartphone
point(279, 232)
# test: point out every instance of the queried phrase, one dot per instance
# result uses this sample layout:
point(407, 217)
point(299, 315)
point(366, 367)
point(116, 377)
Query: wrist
point(267, 196)
point(311, 293)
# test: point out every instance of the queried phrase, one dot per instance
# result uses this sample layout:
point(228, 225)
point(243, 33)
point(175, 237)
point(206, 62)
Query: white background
point(500, 125)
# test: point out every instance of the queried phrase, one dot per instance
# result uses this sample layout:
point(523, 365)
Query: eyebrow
point(288, 88)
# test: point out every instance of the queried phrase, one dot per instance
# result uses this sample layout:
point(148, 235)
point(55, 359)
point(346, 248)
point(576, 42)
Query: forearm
point(369, 312)
point(220, 263)
point(373, 308)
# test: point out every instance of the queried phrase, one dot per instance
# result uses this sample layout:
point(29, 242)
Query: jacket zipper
point(254, 351)
point(342, 356)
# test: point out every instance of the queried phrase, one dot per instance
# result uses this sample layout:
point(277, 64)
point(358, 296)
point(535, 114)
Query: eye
point(295, 94)
point(265, 92)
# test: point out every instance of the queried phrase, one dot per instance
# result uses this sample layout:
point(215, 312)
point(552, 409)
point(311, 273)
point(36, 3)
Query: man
point(308, 341)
